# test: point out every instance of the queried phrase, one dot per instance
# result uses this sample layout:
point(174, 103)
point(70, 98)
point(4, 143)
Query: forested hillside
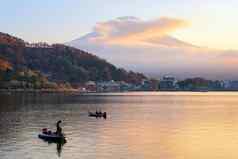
point(58, 63)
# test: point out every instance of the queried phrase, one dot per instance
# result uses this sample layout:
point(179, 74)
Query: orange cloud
point(130, 30)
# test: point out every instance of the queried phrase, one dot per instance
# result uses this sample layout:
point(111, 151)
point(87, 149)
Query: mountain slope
point(60, 63)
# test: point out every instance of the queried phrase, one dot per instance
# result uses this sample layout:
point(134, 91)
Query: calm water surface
point(139, 126)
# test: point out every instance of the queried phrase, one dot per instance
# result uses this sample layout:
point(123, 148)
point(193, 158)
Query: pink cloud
point(133, 31)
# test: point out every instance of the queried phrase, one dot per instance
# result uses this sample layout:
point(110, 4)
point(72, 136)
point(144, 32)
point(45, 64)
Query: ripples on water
point(140, 125)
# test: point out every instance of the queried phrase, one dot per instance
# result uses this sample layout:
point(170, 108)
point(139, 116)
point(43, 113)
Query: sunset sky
point(184, 38)
point(210, 23)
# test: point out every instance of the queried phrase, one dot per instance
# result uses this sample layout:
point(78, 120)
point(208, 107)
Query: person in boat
point(104, 115)
point(58, 128)
point(97, 113)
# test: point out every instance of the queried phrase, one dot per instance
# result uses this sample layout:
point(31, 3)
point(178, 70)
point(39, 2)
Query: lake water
point(162, 125)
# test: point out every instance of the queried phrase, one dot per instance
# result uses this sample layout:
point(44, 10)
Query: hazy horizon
point(148, 46)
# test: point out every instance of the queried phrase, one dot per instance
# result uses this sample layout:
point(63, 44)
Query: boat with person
point(98, 114)
point(50, 136)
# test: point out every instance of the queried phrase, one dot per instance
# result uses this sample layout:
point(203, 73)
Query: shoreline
point(39, 91)
point(83, 92)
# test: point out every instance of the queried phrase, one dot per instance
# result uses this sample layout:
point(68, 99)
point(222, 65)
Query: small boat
point(51, 137)
point(98, 114)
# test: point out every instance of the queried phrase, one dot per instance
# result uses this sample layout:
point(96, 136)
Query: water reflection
point(59, 148)
point(170, 126)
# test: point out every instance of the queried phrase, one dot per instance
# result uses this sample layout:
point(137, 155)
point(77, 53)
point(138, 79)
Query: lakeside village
point(33, 81)
point(167, 83)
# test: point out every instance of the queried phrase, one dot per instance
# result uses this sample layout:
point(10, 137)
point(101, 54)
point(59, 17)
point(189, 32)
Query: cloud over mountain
point(147, 46)
point(133, 31)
